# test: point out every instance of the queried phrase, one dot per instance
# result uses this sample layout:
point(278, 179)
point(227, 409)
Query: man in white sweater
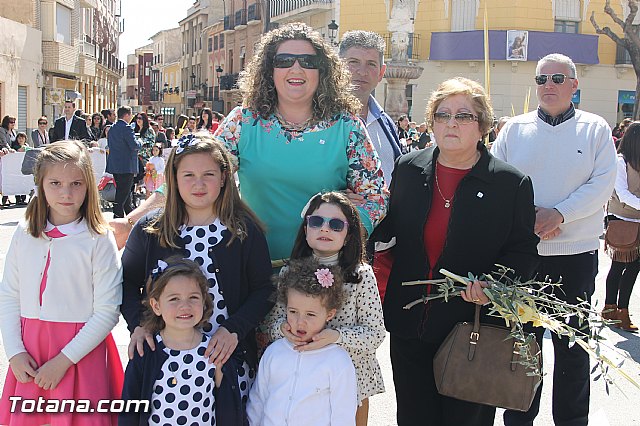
point(570, 156)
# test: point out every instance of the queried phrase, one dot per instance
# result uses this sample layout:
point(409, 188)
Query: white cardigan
point(311, 388)
point(84, 284)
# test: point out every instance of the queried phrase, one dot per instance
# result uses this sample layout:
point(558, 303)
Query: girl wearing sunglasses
point(299, 118)
point(331, 232)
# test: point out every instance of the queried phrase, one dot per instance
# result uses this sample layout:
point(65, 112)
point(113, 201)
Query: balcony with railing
point(413, 51)
point(622, 56)
point(228, 23)
point(285, 8)
point(254, 14)
point(229, 82)
point(240, 19)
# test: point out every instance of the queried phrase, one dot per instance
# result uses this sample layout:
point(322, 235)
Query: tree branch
point(629, 30)
point(606, 31)
point(614, 16)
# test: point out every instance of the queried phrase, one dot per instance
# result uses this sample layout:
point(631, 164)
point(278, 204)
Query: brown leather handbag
point(622, 239)
point(479, 363)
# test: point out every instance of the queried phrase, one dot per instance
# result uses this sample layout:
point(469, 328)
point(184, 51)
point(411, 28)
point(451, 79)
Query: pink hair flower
point(325, 277)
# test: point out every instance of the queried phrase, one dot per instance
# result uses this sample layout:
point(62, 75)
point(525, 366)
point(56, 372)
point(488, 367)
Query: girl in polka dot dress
point(204, 220)
point(313, 387)
point(176, 378)
point(332, 233)
point(59, 298)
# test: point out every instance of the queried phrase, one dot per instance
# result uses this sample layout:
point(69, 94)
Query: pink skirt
point(97, 376)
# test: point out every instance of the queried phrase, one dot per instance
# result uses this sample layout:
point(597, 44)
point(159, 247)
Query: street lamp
point(218, 73)
point(193, 81)
point(333, 31)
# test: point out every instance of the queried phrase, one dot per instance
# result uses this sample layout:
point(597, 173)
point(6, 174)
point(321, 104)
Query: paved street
point(619, 407)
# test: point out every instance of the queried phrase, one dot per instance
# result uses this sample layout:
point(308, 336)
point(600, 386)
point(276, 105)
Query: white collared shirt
point(67, 127)
point(383, 146)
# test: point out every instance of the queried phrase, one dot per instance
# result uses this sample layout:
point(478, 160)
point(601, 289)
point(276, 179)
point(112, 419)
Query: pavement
point(610, 405)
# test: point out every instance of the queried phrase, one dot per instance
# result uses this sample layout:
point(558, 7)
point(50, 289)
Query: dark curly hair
point(300, 275)
point(333, 94)
point(352, 254)
point(177, 266)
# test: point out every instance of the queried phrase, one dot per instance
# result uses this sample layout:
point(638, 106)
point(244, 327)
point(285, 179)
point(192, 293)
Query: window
point(622, 56)
point(566, 27)
point(215, 43)
point(22, 109)
point(63, 24)
point(566, 10)
point(463, 15)
point(221, 41)
point(210, 44)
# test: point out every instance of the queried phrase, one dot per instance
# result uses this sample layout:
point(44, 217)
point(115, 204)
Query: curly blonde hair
point(333, 94)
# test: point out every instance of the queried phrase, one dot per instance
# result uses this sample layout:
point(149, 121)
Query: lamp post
point(333, 31)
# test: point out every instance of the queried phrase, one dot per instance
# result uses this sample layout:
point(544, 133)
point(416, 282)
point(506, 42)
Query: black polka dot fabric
point(198, 241)
point(183, 392)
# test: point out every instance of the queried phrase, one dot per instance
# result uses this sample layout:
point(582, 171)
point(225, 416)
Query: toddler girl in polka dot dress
point(332, 233)
point(204, 220)
point(176, 378)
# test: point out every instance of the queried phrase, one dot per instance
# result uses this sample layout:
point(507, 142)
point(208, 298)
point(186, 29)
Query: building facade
point(20, 64)
point(447, 40)
point(167, 51)
point(80, 53)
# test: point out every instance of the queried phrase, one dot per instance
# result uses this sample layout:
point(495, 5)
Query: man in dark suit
point(122, 161)
point(69, 126)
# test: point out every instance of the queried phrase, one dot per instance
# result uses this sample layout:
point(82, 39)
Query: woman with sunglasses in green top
point(297, 133)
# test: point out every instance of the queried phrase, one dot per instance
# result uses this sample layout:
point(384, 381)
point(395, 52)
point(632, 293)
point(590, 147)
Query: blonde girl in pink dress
point(60, 297)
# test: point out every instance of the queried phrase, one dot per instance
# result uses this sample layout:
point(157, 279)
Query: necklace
point(294, 127)
point(447, 202)
point(181, 362)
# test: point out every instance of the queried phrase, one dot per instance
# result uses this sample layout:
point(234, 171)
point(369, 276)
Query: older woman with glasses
point(452, 206)
point(297, 133)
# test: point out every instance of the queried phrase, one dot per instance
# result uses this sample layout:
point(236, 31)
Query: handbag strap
point(475, 334)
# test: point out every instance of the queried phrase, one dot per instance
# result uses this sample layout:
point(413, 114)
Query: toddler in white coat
point(315, 387)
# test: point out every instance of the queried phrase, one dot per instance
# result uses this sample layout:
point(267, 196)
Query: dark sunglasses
point(335, 224)
point(555, 78)
point(286, 60)
point(461, 117)
point(12, 122)
point(42, 122)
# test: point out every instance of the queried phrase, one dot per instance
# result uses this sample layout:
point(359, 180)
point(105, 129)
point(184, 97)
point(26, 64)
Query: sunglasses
point(12, 122)
point(555, 78)
point(286, 60)
point(335, 224)
point(40, 123)
point(461, 117)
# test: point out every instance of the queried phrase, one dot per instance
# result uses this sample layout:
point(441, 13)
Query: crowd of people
point(264, 308)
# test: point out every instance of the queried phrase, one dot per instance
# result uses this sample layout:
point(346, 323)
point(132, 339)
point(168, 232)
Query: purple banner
point(469, 46)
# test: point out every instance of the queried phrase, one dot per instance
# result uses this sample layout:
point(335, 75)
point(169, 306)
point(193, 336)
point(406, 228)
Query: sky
point(144, 18)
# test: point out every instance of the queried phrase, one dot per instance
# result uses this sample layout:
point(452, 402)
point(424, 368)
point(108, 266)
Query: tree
point(630, 41)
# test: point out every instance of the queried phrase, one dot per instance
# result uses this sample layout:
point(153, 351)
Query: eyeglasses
point(461, 117)
point(286, 60)
point(138, 118)
point(555, 78)
point(335, 224)
point(42, 123)
point(12, 122)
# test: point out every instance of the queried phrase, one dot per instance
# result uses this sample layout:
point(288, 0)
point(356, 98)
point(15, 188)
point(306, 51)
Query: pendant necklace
point(447, 202)
point(180, 365)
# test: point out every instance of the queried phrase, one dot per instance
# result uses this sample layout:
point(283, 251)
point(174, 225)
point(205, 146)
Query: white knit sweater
point(573, 169)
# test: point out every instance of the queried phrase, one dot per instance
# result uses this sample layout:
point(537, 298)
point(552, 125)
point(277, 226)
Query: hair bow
point(185, 141)
point(325, 277)
point(155, 273)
